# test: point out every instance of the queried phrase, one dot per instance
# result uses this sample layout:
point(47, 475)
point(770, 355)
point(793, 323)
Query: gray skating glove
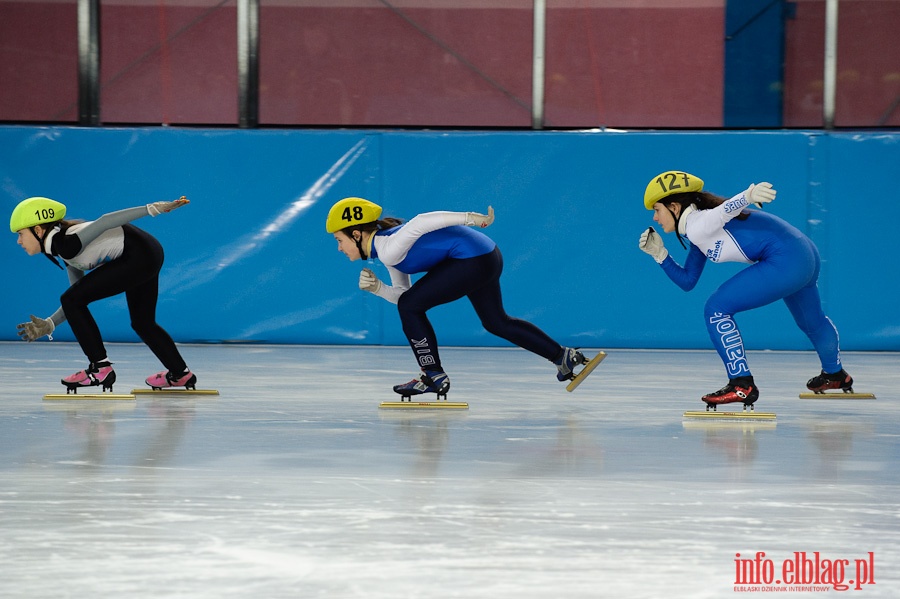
point(157, 208)
point(37, 328)
point(368, 281)
point(652, 244)
point(760, 193)
point(474, 219)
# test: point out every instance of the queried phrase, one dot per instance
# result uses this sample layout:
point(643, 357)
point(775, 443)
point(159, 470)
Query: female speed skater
point(784, 265)
point(457, 262)
point(104, 258)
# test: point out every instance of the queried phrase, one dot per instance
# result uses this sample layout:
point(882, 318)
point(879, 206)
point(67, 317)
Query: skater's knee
point(144, 328)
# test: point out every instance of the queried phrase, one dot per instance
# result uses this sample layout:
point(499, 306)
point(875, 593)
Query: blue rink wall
point(249, 259)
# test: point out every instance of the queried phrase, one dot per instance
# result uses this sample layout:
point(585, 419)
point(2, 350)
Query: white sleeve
point(706, 222)
point(392, 249)
point(400, 282)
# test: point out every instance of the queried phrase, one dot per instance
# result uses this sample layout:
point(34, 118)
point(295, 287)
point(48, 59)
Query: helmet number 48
point(351, 214)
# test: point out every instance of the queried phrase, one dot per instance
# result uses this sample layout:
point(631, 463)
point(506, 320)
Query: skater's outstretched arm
point(707, 222)
point(69, 246)
point(393, 249)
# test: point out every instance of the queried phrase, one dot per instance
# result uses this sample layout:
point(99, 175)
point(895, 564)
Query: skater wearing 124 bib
point(784, 266)
point(104, 258)
point(457, 261)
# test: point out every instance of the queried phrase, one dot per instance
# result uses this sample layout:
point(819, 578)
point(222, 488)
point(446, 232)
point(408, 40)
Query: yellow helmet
point(351, 211)
point(669, 183)
point(35, 211)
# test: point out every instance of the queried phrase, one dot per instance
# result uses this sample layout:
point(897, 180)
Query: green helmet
point(35, 211)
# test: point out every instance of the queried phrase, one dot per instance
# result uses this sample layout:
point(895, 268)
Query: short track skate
point(589, 367)
point(746, 415)
point(421, 386)
point(845, 394)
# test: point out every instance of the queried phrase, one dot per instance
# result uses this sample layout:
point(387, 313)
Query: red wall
point(430, 63)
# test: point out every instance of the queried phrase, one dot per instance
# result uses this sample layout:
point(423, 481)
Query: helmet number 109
point(45, 213)
point(351, 214)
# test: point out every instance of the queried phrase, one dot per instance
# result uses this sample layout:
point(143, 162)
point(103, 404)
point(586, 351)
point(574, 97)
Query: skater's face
point(29, 242)
point(663, 215)
point(347, 245)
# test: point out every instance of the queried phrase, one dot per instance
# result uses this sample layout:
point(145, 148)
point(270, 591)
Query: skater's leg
point(426, 293)
point(488, 304)
point(448, 281)
point(142, 309)
point(755, 286)
point(105, 281)
point(142, 298)
point(805, 306)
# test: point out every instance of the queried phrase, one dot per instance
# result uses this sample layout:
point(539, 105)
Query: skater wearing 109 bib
point(103, 258)
point(457, 261)
point(784, 265)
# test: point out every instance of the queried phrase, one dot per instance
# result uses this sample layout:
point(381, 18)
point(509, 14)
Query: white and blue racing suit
point(784, 266)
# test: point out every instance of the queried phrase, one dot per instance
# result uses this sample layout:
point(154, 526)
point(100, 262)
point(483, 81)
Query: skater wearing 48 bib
point(103, 258)
point(784, 265)
point(457, 261)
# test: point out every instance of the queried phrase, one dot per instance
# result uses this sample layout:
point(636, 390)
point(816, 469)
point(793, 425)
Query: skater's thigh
point(104, 281)
point(446, 282)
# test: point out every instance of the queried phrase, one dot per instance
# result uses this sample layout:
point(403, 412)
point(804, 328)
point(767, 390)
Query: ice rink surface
point(293, 483)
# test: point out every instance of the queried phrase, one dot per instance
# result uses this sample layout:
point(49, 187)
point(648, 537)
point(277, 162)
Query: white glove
point(37, 328)
point(651, 243)
point(368, 281)
point(760, 193)
point(474, 219)
point(157, 208)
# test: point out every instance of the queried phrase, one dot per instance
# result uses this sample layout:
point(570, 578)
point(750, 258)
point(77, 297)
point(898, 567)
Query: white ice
point(292, 482)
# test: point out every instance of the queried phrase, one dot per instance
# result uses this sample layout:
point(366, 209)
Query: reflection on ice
point(292, 483)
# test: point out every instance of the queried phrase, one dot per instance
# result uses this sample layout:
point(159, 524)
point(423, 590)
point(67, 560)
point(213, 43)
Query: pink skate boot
point(97, 373)
point(165, 379)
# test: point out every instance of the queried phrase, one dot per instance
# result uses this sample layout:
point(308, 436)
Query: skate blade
point(748, 416)
point(112, 396)
point(589, 367)
point(423, 405)
point(837, 395)
point(174, 391)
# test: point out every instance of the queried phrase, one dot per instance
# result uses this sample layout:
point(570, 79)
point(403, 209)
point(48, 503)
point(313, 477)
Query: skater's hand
point(474, 219)
point(651, 243)
point(157, 208)
point(368, 281)
point(37, 328)
point(760, 193)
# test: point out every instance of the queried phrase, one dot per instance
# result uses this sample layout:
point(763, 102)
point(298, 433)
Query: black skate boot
point(431, 381)
point(741, 389)
point(824, 381)
point(567, 362)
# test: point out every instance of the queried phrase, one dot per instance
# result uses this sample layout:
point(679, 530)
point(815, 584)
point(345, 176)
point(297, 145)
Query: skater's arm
point(69, 246)
point(709, 221)
point(369, 282)
point(393, 249)
point(685, 276)
point(59, 316)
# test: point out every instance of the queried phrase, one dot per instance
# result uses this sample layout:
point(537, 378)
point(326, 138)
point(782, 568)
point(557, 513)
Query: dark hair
point(65, 224)
point(703, 200)
point(384, 223)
